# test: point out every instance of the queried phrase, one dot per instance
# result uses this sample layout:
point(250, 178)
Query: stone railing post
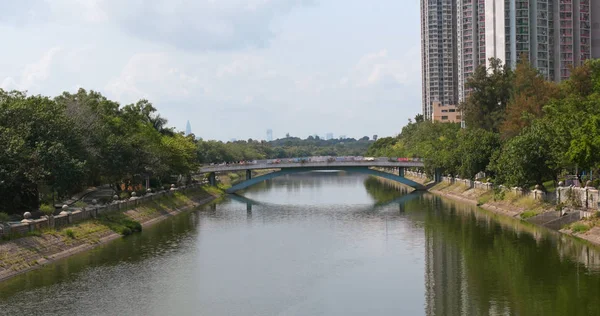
point(6, 229)
point(559, 192)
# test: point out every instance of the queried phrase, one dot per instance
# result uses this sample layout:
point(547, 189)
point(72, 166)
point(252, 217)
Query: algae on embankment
point(26, 253)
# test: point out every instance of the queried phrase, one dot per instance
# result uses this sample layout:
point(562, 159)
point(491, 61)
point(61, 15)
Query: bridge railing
point(239, 167)
point(318, 159)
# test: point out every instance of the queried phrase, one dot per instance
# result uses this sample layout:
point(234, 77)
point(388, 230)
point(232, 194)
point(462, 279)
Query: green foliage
point(80, 204)
point(474, 151)
point(528, 214)
point(70, 233)
point(547, 129)
point(289, 147)
point(523, 161)
point(4, 217)
point(74, 140)
point(120, 223)
point(491, 90)
point(47, 209)
point(579, 228)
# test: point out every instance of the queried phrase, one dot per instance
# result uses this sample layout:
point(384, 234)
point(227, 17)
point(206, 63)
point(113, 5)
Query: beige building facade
point(445, 113)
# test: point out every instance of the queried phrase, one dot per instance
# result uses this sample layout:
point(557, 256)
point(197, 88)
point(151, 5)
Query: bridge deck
point(320, 165)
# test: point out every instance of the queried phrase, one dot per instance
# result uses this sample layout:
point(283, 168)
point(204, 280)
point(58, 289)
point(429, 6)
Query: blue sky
point(232, 67)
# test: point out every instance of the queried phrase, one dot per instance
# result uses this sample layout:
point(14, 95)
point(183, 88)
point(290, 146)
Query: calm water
point(322, 244)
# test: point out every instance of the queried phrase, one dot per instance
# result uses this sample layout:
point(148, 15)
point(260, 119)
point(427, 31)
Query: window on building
point(445, 117)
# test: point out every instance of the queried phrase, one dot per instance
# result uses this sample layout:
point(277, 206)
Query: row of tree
point(521, 129)
point(216, 151)
point(52, 147)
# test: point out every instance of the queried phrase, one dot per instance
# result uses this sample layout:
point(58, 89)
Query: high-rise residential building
point(595, 8)
point(439, 53)
point(269, 135)
point(554, 35)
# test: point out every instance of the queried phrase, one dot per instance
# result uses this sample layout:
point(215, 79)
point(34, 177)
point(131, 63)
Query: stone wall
point(488, 186)
point(586, 198)
point(72, 216)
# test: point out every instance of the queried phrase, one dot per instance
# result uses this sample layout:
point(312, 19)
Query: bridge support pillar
point(212, 179)
point(401, 172)
point(248, 174)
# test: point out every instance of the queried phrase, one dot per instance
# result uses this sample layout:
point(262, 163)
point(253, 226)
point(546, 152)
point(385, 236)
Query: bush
point(4, 217)
point(120, 223)
point(528, 214)
point(132, 225)
point(70, 233)
point(579, 228)
point(80, 204)
point(47, 209)
point(123, 195)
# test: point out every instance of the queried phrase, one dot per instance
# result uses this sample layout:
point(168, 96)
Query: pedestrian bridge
point(285, 168)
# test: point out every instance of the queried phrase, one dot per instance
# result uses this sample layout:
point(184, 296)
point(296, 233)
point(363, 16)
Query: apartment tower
point(554, 35)
point(595, 8)
point(460, 35)
point(439, 54)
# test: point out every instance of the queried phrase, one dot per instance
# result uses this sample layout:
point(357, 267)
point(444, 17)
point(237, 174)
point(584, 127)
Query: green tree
point(474, 151)
point(490, 90)
point(525, 160)
point(531, 92)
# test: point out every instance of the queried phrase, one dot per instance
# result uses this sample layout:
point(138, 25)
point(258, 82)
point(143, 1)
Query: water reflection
point(323, 244)
point(478, 263)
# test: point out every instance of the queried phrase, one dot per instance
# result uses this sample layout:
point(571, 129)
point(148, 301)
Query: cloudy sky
point(232, 67)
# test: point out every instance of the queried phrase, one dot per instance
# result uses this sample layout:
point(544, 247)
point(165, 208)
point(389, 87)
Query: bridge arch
point(364, 170)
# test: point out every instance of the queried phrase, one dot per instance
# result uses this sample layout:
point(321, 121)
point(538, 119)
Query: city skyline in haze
point(231, 66)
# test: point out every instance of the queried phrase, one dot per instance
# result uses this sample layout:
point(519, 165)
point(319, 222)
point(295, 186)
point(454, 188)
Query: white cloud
point(154, 76)
point(380, 69)
point(24, 12)
point(201, 24)
point(33, 73)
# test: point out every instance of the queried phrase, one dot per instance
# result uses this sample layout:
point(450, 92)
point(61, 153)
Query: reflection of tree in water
point(383, 190)
point(480, 264)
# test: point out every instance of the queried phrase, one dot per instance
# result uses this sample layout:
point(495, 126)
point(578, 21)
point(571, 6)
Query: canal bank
point(525, 208)
point(43, 247)
point(322, 244)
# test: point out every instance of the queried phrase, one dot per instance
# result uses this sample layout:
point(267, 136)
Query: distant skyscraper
point(329, 136)
point(269, 135)
point(188, 128)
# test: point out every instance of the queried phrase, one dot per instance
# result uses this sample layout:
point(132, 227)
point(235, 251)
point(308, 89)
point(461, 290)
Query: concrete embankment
point(28, 253)
point(522, 207)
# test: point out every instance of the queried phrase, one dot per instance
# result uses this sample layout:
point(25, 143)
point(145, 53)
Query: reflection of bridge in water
point(401, 200)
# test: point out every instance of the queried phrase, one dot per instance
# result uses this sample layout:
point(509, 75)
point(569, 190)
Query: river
point(324, 243)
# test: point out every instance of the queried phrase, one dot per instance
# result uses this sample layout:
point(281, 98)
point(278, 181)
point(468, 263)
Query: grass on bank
point(585, 224)
point(124, 223)
point(509, 199)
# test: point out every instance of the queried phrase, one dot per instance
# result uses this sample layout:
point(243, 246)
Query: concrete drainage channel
point(554, 220)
